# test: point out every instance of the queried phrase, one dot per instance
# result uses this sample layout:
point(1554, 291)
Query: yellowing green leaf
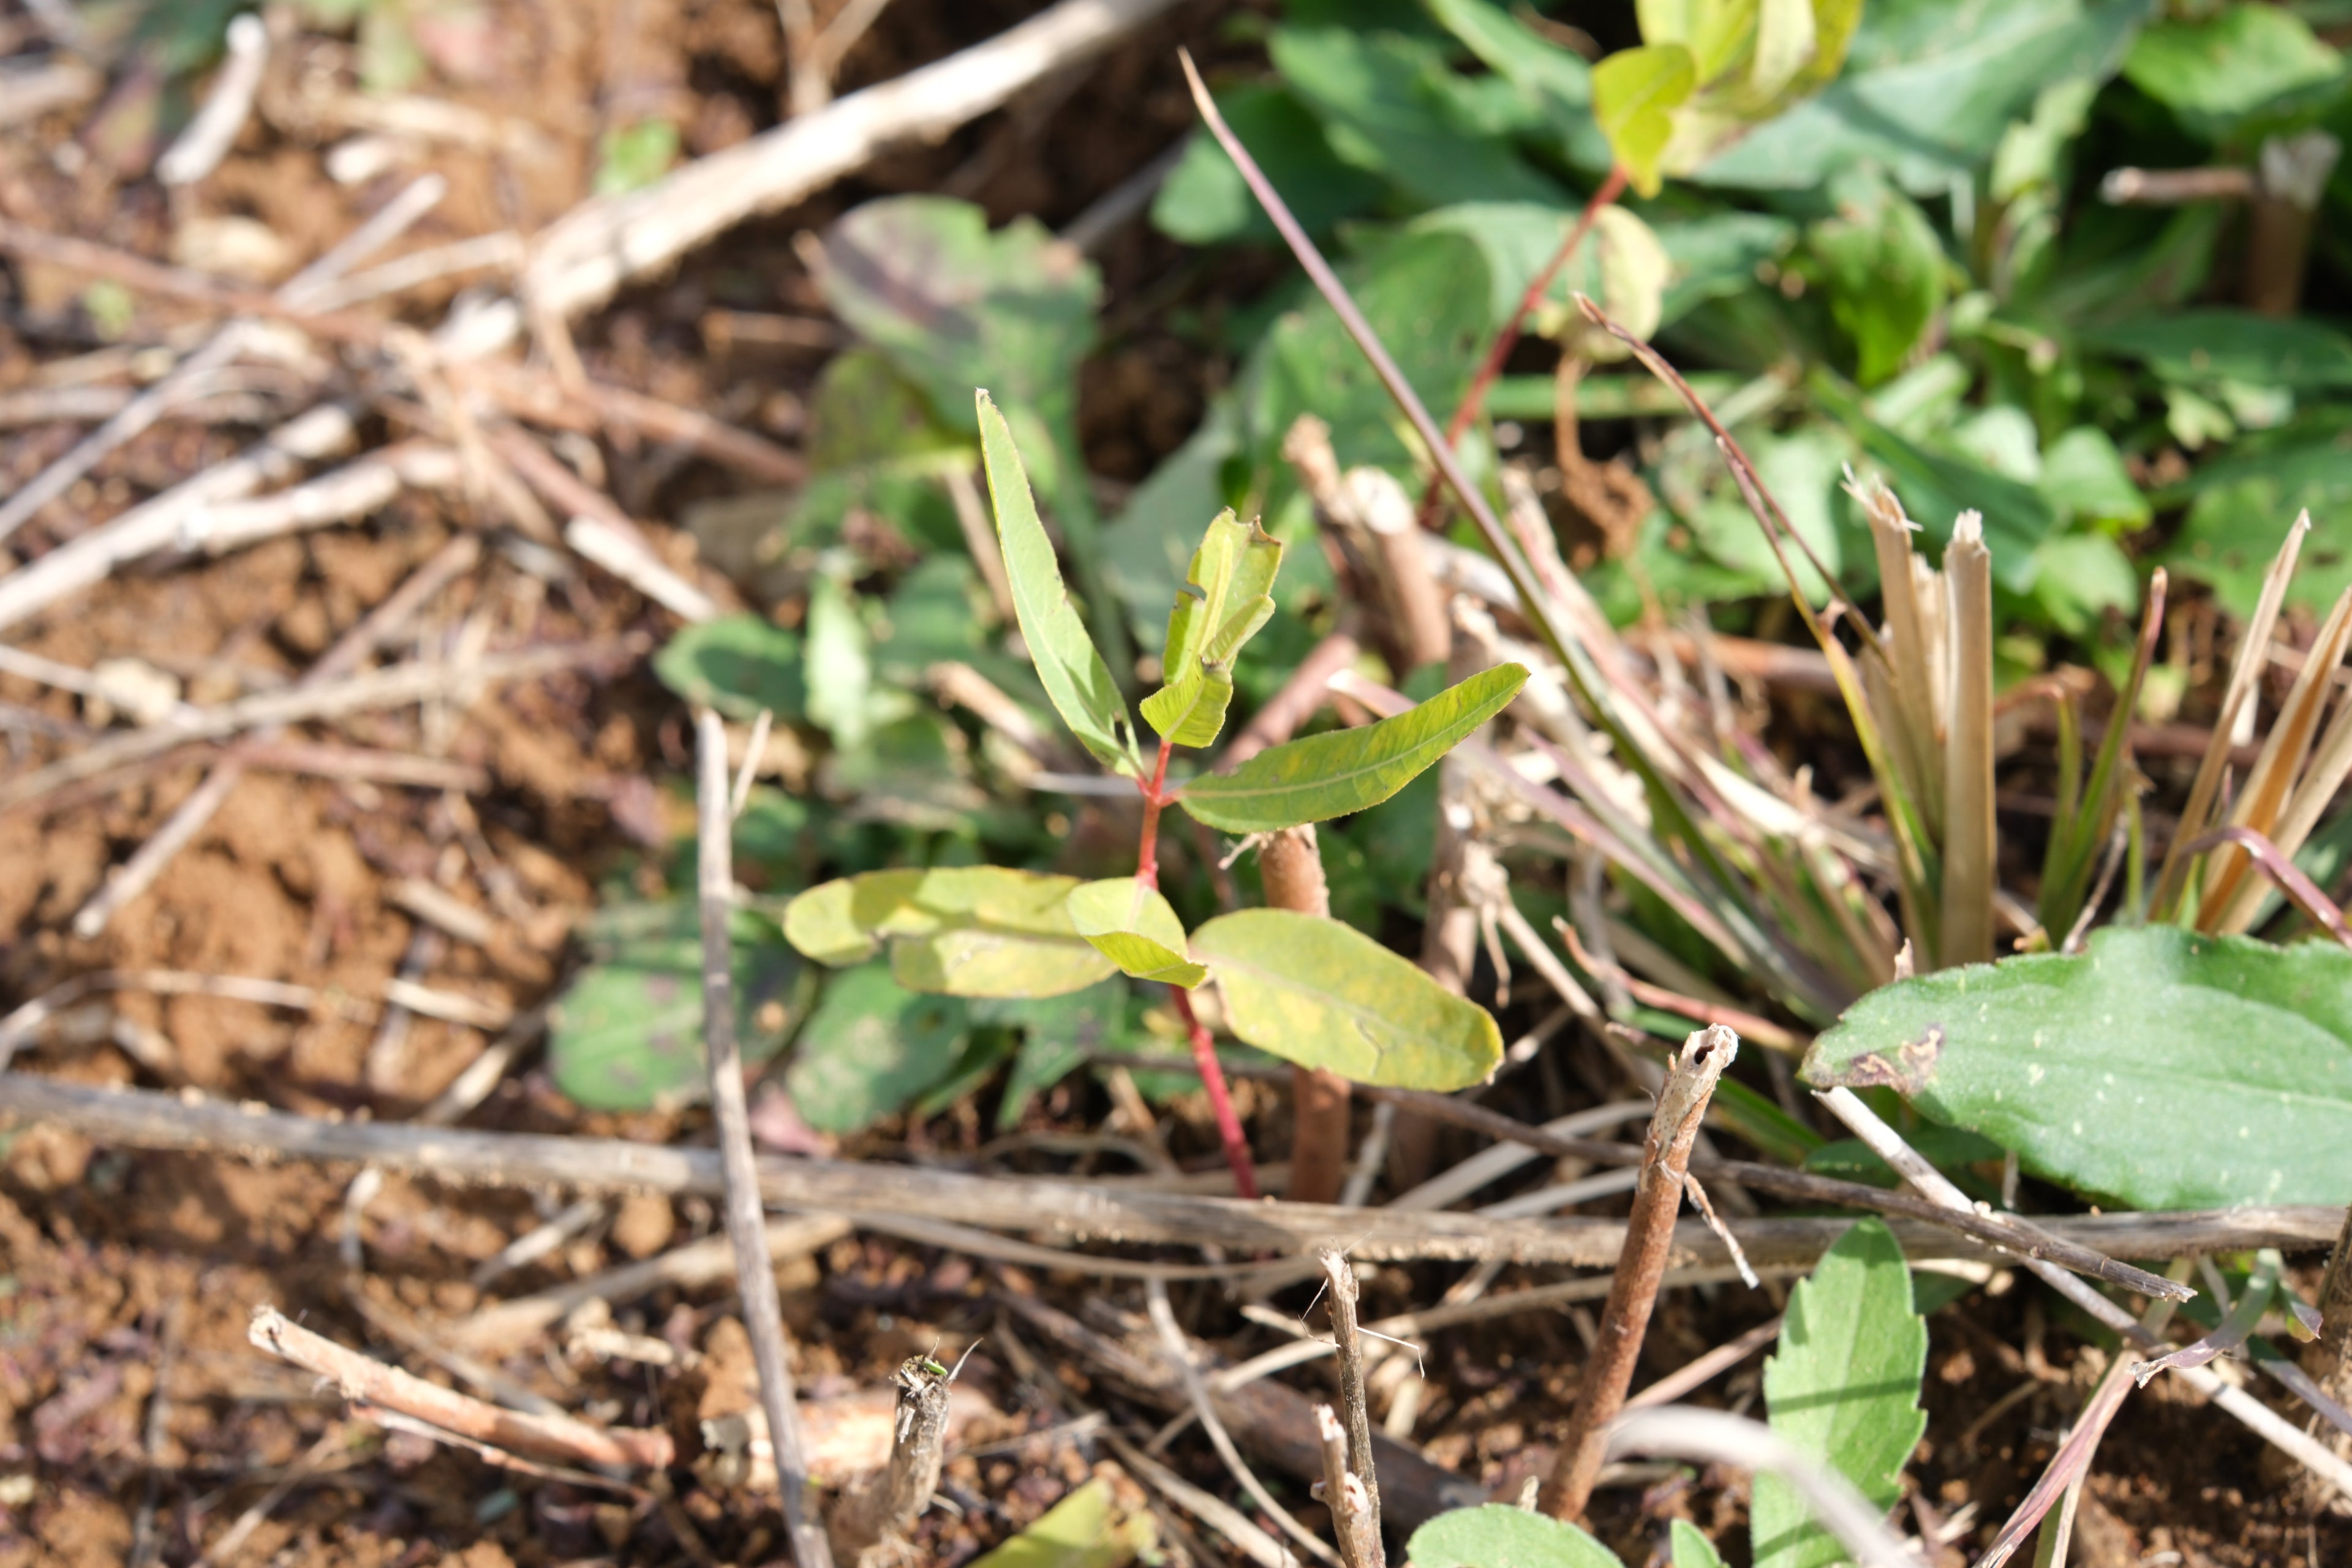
point(1843, 1390)
point(1225, 599)
point(1330, 775)
point(1323, 995)
point(965, 931)
point(1635, 95)
point(1133, 926)
point(1069, 665)
point(1082, 1531)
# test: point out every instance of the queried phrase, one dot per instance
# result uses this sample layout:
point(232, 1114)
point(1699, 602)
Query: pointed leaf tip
point(1069, 666)
point(1346, 770)
point(1135, 928)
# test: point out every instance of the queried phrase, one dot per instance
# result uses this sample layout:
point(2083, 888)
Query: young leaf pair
point(1310, 990)
point(1226, 600)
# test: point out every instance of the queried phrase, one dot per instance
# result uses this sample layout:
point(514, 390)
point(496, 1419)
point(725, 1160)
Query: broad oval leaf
point(1069, 665)
point(737, 665)
point(2162, 1069)
point(1843, 1390)
point(965, 931)
point(1133, 926)
point(1500, 1536)
point(1323, 995)
point(1226, 597)
point(869, 1048)
point(1344, 770)
point(626, 1034)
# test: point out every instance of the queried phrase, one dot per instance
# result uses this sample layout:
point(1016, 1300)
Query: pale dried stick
point(1634, 1290)
point(1339, 1275)
point(746, 1216)
point(392, 688)
point(89, 559)
point(578, 261)
point(1717, 1437)
point(1704, 1369)
point(1180, 1353)
point(1070, 1211)
point(147, 862)
point(561, 1438)
point(1207, 1507)
point(143, 411)
point(2265, 1422)
point(226, 107)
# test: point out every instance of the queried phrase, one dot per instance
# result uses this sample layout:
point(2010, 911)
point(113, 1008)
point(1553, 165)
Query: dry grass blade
point(1968, 857)
point(2268, 789)
point(2293, 881)
point(2245, 675)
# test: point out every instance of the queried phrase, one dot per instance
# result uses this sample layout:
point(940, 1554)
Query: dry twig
point(1600, 1393)
point(746, 1216)
point(368, 1382)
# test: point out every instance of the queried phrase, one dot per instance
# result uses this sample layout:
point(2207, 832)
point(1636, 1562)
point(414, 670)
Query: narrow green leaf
point(1069, 665)
point(2162, 1069)
point(1333, 774)
point(1133, 926)
point(870, 1047)
point(1323, 995)
point(1844, 1389)
point(1500, 1536)
point(1692, 1548)
point(965, 931)
point(1225, 599)
point(1635, 95)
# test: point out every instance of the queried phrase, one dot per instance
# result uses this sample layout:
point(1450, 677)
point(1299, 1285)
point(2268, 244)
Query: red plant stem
point(1205, 1049)
point(1155, 796)
point(1213, 1079)
point(1474, 398)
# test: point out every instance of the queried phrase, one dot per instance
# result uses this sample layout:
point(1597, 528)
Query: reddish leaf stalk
point(1221, 1103)
point(1155, 797)
point(1205, 1049)
point(1649, 1238)
point(1473, 397)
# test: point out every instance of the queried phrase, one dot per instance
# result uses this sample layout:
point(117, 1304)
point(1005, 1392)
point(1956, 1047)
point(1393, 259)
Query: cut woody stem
point(1292, 868)
point(1473, 397)
point(1204, 1048)
point(1649, 1238)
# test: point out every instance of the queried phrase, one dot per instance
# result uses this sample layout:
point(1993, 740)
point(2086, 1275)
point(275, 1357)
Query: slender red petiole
point(1205, 1049)
point(1213, 1079)
point(1147, 851)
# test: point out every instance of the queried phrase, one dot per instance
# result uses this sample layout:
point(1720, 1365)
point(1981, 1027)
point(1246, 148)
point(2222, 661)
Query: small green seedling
point(1307, 989)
